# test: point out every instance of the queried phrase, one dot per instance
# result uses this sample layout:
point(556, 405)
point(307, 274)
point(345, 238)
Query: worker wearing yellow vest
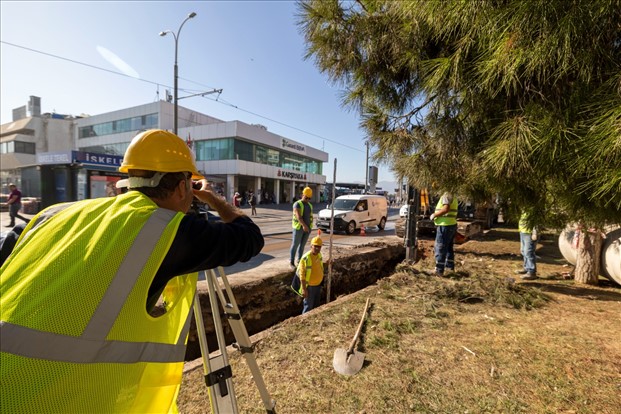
point(445, 219)
point(302, 223)
point(528, 244)
point(77, 290)
point(310, 272)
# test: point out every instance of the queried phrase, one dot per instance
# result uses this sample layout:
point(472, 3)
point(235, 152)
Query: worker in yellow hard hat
point(310, 273)
point(302, 224)
point(78, 289)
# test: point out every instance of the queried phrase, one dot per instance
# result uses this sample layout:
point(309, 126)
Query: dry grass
point(476, 342)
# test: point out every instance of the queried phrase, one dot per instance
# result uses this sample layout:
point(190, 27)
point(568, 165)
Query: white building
point(29, 135)
point(234, 156)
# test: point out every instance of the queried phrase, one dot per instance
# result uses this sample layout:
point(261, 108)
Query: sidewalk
point(5, 220)
point(266, 213)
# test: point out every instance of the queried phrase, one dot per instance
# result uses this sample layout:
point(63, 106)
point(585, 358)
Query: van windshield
point(344, 204)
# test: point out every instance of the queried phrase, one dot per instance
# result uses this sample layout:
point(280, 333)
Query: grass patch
point(475, 342)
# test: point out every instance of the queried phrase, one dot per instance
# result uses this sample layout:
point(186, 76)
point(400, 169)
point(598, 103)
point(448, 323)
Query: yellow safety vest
point(309, 264)
point(295, 222)
point(450, 218)
point(75, 333)
point(523, 224)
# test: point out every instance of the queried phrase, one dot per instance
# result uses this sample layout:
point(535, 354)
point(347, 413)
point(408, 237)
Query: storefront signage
point(69, 157)
point(293, 146)
point(99, 159)
point(292, 175)
point(54, 158)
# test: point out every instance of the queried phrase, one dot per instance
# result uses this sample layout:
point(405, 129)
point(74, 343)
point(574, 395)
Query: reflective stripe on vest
point(450, 218)
point(91, 346)
point(31, 343)
point(295, 223)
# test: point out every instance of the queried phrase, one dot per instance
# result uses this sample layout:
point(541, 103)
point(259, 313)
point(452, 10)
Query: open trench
point(265, 298)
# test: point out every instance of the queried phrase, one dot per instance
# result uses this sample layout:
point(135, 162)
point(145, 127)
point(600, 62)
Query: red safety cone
point(362, 231)
point(318, 232)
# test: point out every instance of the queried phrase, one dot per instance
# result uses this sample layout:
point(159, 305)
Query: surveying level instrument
point(216, 367)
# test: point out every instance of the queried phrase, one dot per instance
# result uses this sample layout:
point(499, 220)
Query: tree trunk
point(588, 257)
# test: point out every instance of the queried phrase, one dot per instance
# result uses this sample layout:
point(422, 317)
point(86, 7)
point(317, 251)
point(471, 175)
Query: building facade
point(234, 156)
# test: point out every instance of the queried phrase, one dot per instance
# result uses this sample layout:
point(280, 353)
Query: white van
point(352, 211)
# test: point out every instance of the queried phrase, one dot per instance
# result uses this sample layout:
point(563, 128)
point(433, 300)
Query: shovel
point(348, 361)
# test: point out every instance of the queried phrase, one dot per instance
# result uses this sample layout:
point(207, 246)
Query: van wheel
point(382, 223)
point(351, 227)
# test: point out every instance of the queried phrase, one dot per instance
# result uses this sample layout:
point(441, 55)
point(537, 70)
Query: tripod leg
point(242, 338)
point(216, 368)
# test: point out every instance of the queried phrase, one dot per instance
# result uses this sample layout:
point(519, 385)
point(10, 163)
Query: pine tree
point(520, 98)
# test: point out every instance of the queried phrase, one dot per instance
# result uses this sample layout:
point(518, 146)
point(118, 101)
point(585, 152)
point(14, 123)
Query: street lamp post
point(176, 36)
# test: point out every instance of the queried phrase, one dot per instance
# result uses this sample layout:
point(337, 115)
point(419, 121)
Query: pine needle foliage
point(520, 98)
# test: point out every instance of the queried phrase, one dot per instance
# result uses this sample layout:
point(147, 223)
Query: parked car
point(403, 211)
point(353, 211)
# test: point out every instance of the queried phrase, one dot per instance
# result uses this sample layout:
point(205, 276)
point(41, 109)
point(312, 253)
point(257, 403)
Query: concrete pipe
point(610, 261)
point(611, 256)
point(566, 246)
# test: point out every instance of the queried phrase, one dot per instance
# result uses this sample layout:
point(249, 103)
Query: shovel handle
point(353, 342)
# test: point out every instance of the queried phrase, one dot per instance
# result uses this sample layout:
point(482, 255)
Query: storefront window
point(261, 155)
point(122, 125)
point(112, 149)
point(214, 149)
point(244, 150)
point(273, 157)
point(228, 148)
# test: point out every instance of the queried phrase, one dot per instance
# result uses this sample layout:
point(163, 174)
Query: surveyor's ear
point(182, 188)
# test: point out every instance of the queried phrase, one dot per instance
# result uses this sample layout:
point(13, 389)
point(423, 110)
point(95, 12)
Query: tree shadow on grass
point(592, 293)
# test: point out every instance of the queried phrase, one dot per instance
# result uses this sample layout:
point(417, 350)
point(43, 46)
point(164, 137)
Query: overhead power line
point(218, 100)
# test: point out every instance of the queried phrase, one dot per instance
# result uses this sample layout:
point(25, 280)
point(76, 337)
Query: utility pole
point(176, 69)
point(411, 239)
point(366, 177)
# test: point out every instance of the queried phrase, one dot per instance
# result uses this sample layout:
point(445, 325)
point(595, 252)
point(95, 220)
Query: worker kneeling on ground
point(310, 272)
point(77, 289)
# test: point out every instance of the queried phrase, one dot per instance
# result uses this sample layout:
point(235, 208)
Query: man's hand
point(227, 212)
point(431, 217)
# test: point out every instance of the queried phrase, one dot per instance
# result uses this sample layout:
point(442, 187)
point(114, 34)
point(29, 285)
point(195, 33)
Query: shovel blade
point(347, 364)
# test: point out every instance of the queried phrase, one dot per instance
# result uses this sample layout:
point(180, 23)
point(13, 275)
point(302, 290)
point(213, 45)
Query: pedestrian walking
point(253, 203)
point(15, 204)
point(237, 199)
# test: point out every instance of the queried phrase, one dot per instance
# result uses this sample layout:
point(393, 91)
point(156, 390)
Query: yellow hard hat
point(161, 151)
point(316, 241)
point(307, 192)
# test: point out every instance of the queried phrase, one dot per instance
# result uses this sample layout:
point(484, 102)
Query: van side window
point(362, 205)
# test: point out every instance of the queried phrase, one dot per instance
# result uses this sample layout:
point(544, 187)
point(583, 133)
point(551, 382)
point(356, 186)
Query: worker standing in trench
point(76, 290)
point(310, 272)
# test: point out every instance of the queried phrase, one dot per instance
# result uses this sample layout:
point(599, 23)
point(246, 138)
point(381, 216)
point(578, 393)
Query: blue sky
point(251, 49)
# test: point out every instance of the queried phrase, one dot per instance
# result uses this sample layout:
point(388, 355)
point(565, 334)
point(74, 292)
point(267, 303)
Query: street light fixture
point(176, 36)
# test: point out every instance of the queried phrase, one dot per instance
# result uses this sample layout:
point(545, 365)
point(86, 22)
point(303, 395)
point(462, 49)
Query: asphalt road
point(275, 224)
